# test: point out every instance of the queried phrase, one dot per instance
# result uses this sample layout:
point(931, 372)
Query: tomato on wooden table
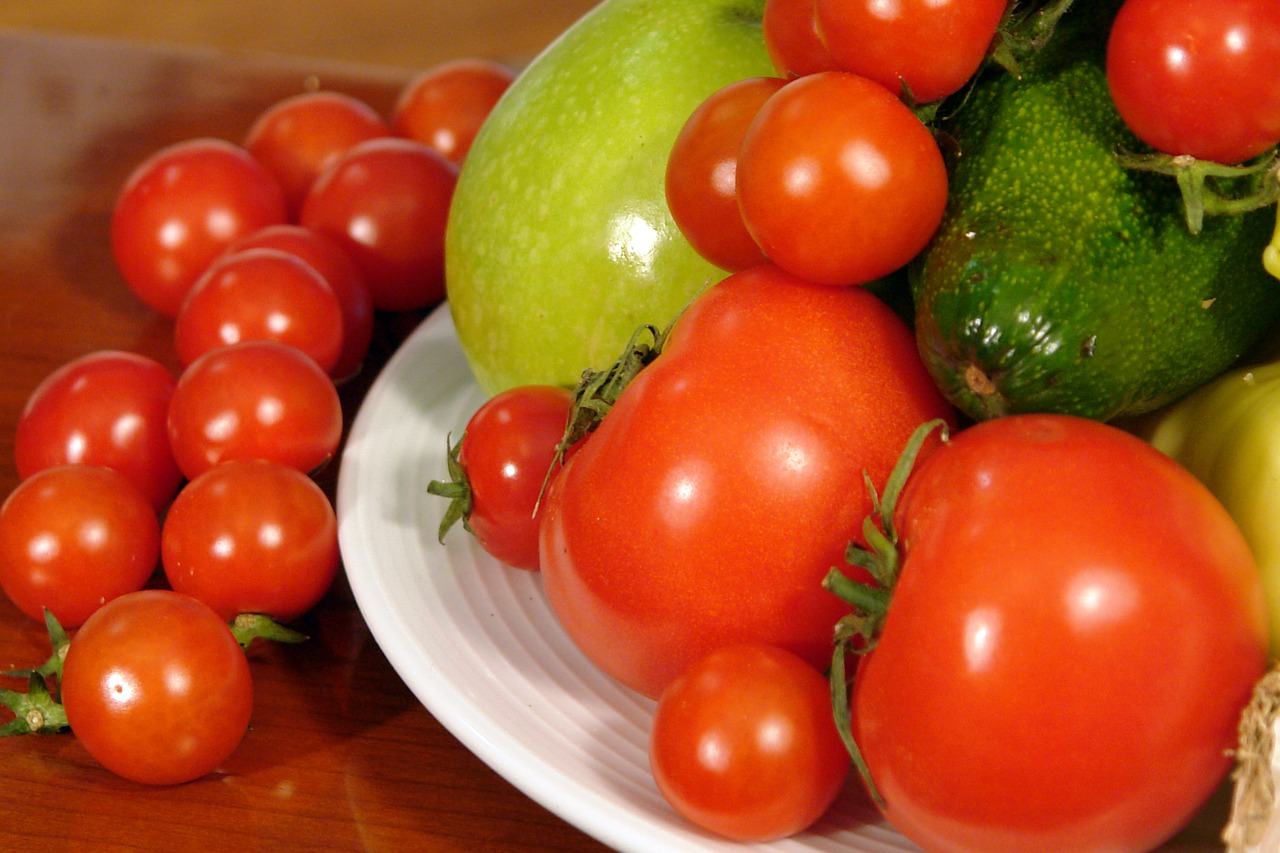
point(709, 503)
point(73, 537)
point(743, 744)
point(108, 408)
point(156, 688)
point(181, 208)
point(1075, 629)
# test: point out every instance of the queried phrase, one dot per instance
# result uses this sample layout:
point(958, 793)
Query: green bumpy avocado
point(1060, 281)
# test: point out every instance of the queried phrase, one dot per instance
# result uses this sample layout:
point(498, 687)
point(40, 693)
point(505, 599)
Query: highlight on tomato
point(446, 105)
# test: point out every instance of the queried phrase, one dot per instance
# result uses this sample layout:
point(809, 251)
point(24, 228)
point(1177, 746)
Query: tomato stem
point(1201, 187)
point(457, 489)
point(247, 627)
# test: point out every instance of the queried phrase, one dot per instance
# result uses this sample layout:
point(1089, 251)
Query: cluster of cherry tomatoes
point(166, 520)
point(686, 540)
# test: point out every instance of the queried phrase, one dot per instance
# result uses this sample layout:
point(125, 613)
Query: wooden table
point(340, 755)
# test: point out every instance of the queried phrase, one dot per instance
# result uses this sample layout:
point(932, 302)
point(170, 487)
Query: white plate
point(476, 643)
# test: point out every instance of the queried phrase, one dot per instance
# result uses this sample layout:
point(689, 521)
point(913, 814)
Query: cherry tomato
point(73, 537)
point(156, 688)
point(251, 536)
point(301, 136)
point(743, 744)
point(792, 39)
point(701, 184)
point(260, 294)
point(727, 479)
point(838, 181)
point(254, 400)
point(504, 458)
point(106, 408)
point(343, 277)
point(1197, 78)
point(386, 202)
point(181, 208)
point(932, 46)
point(445, 106)
point(1075, 629)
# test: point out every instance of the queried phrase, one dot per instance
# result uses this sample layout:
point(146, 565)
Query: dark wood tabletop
point(340, 755)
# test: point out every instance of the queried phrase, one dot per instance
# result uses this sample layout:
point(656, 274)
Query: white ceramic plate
point(475, 640)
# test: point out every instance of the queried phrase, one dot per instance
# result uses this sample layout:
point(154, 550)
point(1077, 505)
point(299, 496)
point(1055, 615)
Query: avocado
point(1060, 281)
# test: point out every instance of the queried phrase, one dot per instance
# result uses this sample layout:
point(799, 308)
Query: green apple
point(559, 242)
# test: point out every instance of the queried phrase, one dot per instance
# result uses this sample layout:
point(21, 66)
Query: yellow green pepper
point(1227, 434)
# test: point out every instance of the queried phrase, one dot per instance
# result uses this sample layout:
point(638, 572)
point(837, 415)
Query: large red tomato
point(1076, 627)
point(728, 477)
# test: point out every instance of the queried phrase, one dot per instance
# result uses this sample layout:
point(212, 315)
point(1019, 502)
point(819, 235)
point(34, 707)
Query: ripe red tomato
point(503, 461)
point(445, 105)
point(343, 277)
point(156, 688)
point(73, 537)
point(1198, 78)
point(743, 744)
point(1075, 629)
point(254, 400)
point(106, 408)
point(301, 136)
point(386, 202)
point(181, 208)
point(728, 477)
point(701, 184)
point(838, 181)
point(251, 536)
point(933, 46)
point(256, 295)
point(792, 39)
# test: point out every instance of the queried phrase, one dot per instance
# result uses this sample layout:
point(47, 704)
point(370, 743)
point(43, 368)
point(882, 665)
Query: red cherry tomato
point(156, 688)
point(1196, 78)
point(933, 46)
point(838, 181)
point(301, 136)
point(792, 39)
point(1075, 629)
point(73, 537)
point(386, 202)
point(251, 536)
point(343, 277)
point(727, 478)
point(743, 744)
point(254, 400)
point(505, 454)
point(701, 182)
point(181, 208)
point(106, 408)
point(260, 294)
point(445, 106)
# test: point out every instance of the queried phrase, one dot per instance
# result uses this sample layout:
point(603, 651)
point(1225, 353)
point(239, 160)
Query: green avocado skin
point(1060, 281)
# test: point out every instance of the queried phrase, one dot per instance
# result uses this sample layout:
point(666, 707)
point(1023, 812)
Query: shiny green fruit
point(559, 241)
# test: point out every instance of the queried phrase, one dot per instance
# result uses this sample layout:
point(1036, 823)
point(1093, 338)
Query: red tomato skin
point(255, 295)
point(743, 744)
point(297, 138)
point(446, 105)
point(507, 450)
point(700, 184)
point(1075, 629)
point(342, 275)
point(254, 400)
point(934, 46)
point(282, 534)
point(181, 208)
point(792, 38)
point(1198, 78)
point(386, 202)
point(73, 537)
point(728, 477)
point(156, 688)
point(839, 182)
point(105, 408)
